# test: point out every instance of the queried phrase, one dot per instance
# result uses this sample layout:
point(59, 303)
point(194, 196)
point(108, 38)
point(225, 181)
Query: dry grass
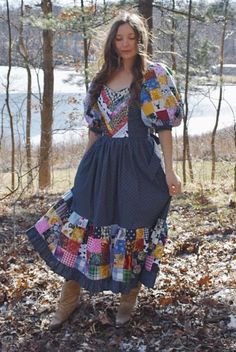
point(65, 160)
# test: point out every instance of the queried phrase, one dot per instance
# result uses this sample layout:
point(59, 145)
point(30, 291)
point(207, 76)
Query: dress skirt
point(109, 230)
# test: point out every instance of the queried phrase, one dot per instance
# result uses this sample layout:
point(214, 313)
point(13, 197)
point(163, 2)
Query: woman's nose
point(125, 42)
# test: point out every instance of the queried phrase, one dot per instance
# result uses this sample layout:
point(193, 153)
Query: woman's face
point(126, 42)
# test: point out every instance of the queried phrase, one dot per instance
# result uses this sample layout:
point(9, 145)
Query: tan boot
point(127, 303)
point(67, 303)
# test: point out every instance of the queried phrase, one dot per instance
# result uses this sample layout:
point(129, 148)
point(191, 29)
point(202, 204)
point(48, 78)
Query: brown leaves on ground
point(192, 308)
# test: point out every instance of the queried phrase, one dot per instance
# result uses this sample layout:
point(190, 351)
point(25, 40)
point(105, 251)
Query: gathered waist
point(144, 136)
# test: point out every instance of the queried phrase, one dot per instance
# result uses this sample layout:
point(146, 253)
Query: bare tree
point(47, 109)
point(222, 44)
point(172, 38)
point(146, 10)
point(25, 54)
point(86, 48)
point(7, 98)
point(186, 147)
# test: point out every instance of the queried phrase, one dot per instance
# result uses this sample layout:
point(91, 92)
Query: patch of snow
point(232, 323)
point(226, 295)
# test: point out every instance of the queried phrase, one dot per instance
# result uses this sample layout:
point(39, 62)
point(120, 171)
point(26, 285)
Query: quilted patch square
point(162, 115)
point(94, 272)
point(117, 274)
point(94, 245)
point(78, 234)
point(127, 275)
point(158, 252)
point(128, 262)
point(59, 252)
point(105, 251)
point(64, 241)
point(62, 209)
point(156, 94)
point(68, 259)
point(42, 225)
point(148, 263)
point(148, 108)
point(149, 74)
point(152, 83)
point(170, 102)
point(139, 245)
point(139, 233)
point(130, 235)
point(80, 264)
point(163, 79)
point(119, 260)
point(67, 230)
point(145, 96)
point(104, 271)
point(73, 247)
point(119, 247)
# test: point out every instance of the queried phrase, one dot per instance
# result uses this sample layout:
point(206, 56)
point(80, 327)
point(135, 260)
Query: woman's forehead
point(125, 29)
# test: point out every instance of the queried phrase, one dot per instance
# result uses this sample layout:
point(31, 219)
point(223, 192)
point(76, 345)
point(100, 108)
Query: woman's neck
point(127, 65)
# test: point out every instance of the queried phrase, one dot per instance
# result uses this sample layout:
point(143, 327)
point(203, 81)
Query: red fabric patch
point(73, 247)
point(163, 115)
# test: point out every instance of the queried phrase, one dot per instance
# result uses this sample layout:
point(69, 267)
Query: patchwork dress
point(108, 232)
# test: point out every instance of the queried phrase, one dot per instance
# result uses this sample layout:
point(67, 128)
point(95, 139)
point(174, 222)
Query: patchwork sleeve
point(161, 103)
point(92, 115)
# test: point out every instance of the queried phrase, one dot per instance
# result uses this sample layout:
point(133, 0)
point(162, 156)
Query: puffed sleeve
point(92, 114)
point(161, 103)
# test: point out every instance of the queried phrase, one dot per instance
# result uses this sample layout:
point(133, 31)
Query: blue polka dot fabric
point(108, 232)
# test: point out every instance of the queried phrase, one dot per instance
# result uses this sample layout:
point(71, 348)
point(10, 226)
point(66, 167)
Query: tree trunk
point(24, 53)
point(7, 99)
point(235, 150)
point(213, 136)
point(47, 109)
point(172, 39)
point(146, 10)
point(186, 147)
point(86, 51)
point(1, 128)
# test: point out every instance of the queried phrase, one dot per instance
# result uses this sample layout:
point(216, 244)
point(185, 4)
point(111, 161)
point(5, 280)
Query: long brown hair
point(111, 61)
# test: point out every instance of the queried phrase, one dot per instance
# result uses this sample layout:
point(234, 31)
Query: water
point(67, 112)
point(68, 107)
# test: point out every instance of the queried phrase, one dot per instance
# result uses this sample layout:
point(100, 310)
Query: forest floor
point(192, 308)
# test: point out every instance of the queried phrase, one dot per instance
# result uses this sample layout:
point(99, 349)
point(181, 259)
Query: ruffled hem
point(40, 245)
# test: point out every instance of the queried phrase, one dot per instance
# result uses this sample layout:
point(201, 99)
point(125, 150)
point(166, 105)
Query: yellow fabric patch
point(139, 234)
point(52, 247)
point(78, 234)
point(158, 252)
point(106, 123)
point(156, 94)
point(170, 102)
point(148, 108)
point(104, 271)
point(53, 220)
point(119, 261)
point(163, 79)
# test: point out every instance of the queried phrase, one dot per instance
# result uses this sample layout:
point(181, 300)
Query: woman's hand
point(173, 182)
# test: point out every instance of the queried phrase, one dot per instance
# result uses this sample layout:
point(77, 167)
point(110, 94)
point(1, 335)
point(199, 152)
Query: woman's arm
point(92, 138)
point(172, 179)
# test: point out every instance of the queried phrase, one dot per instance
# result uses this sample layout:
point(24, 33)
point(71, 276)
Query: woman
point(108, 232)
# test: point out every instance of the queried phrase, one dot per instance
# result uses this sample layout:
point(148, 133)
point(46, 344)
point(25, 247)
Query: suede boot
point(127, 303)
point(67, 304)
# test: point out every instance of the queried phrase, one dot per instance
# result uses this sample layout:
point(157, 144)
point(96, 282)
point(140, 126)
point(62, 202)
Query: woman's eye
point(130, 38)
